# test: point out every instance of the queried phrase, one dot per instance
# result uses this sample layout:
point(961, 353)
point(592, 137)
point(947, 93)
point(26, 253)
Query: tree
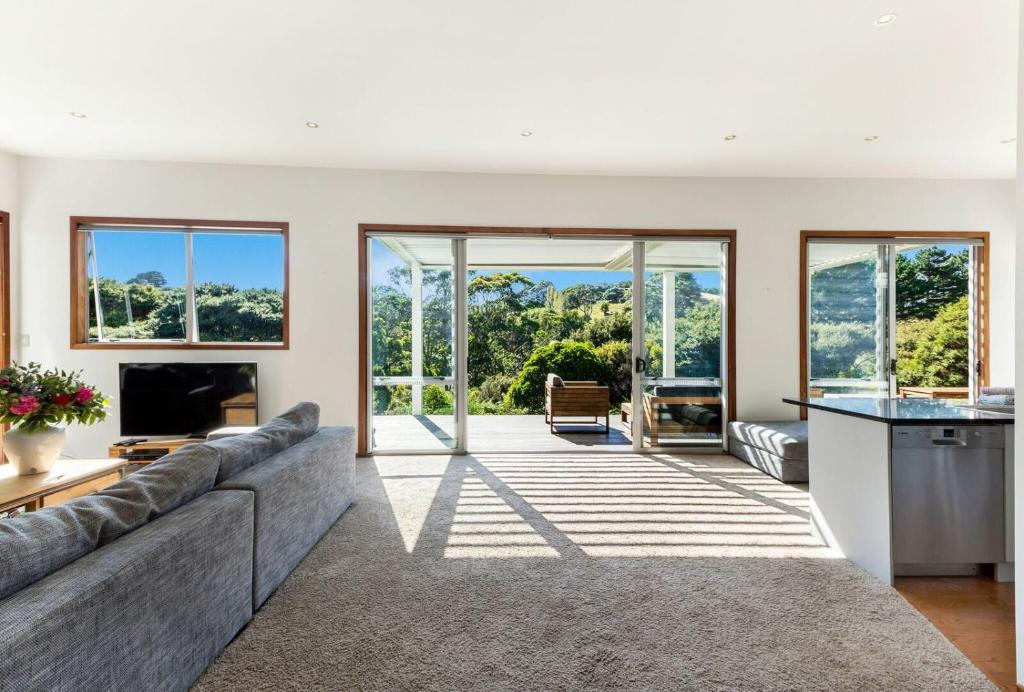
point(699, 341)
point(224, 313)
point(153, 278)
point(571, 360)
point(940, 355)
point(687, 295)
point(842, 350)
point(615, 327)
point(929, 279)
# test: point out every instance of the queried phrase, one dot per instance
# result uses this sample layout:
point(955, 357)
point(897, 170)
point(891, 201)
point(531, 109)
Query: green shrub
point(616, 358)
point(494, 388)
point(437, 400)
point(482, 407)
point(571, 360)
point(843, 349)
point(392, 401)
point(940, 357)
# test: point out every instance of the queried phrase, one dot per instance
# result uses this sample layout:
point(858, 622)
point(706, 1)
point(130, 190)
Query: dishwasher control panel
point(976, 436)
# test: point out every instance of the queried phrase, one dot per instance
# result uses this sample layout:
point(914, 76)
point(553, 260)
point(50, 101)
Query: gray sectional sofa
point(140, 586)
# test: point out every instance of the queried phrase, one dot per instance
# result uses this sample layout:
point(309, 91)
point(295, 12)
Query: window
point(153, 283)
point(894, 315)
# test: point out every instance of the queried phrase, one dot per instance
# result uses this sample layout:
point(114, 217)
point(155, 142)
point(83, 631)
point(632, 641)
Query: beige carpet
point(582, 572)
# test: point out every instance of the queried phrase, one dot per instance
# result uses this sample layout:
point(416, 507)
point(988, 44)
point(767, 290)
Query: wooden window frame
point(365, 229)
point(983, 291)
point(79, 306)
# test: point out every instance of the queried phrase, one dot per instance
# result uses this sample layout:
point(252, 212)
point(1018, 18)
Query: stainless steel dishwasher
point(947, 496)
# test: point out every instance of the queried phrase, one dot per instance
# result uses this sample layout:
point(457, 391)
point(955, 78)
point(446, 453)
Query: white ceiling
point(647, 87)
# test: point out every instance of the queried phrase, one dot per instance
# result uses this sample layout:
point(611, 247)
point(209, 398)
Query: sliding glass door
point(416, 400)
point(489, 322)
point(680, 343)
point(895, 317)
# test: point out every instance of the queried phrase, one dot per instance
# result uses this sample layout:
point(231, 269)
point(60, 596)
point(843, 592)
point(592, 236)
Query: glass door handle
point(641, 365)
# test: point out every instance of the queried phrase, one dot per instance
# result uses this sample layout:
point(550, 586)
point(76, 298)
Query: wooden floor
point(975, 613)
point(507, 434)
point(496, 434)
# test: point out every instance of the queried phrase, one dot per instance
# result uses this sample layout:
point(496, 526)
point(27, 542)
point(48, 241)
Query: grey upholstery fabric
point(305, 416)
point(786, 439)
point(300, 493)
point(147, 612)
point(36, 544)
point(555, 380)
point(786, 470)
point(241, 452)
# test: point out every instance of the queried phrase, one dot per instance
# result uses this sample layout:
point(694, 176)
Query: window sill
point(178, 345)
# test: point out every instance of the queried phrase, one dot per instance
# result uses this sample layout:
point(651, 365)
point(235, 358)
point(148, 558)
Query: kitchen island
point(912, 486)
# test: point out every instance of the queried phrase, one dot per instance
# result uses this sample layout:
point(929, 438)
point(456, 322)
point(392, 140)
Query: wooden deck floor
point(497, 434)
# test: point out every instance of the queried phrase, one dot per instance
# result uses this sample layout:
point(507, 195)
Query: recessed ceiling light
point(871, 138)
point(886, 19)
point(312, 125)
point(526, 133)
point(76, 114)
point(729, 138)
point(1008, 140)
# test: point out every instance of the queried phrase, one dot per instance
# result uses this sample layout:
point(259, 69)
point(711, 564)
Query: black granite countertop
point(906, 411)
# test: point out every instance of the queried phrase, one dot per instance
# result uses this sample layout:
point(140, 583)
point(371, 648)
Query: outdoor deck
point(497, 434)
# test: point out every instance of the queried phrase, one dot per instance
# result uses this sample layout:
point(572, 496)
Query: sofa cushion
point(786, 439)
point(35, 544)
point(687, 390)
point(555, 380)
point(242, 451)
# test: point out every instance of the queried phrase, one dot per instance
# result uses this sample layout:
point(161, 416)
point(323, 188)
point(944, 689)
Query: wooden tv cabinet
point(152, 447)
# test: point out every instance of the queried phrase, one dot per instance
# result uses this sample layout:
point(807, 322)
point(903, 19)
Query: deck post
point(668, 324)
point(417, 336)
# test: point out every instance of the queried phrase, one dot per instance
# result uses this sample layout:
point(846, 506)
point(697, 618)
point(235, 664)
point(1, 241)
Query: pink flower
point(4, 381)
point(83, 395)
point(26, 404)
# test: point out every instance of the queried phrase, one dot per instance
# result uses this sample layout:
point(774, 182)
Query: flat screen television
point(185, 399)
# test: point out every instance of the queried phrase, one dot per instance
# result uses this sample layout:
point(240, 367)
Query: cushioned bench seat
point(778, 448)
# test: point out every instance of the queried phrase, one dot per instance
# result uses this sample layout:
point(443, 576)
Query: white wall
point(8, 181)
point(324, 207)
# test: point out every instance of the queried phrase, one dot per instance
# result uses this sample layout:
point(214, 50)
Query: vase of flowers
point(35, 402)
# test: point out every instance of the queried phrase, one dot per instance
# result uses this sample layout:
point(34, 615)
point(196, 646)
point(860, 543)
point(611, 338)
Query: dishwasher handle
point(948, 442)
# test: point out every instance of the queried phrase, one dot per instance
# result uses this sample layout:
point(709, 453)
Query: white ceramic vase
point(33, 452)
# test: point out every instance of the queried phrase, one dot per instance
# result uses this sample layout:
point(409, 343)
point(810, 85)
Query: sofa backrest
point(242, 451)
point(36, 544)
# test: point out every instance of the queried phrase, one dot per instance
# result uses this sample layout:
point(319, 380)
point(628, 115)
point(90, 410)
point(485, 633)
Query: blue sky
point(384, 260)
point(247, 261)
